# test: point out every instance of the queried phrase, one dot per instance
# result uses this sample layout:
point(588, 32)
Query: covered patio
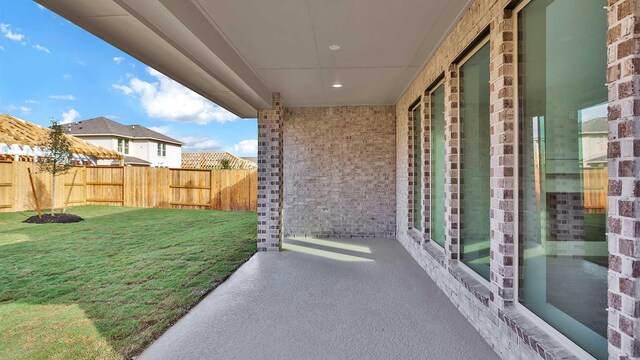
point(325, 299)
point(496, 141)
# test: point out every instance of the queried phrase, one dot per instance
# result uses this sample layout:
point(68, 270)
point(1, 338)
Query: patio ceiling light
point(334, 47)
point(337, 85)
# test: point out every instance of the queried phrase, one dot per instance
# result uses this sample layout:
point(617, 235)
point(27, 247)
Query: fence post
point(84, 185)
point(73, 181)
point(35, 194)
point(126, 178)
point(211, 189)
point(14, 185)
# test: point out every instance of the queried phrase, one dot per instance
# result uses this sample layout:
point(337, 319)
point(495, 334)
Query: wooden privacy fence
point(130, 186)
point(595, 190)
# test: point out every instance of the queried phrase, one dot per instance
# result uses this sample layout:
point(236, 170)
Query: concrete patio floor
point(325, 299)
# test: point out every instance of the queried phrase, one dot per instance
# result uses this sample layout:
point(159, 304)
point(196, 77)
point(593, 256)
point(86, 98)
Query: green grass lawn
point(106, 287)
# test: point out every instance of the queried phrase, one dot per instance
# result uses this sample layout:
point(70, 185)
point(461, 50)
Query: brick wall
point(339, 171)
point(411, 174)
point(426, 165)
point(270, 176)
point(330, 192)
point(489, 307)
point(623, 77)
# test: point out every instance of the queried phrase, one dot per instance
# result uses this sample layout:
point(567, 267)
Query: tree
point(226, 164)
point(56, 158)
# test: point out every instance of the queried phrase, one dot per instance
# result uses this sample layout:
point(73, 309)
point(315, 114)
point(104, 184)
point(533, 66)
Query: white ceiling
point(236, 52)
point(383, 44)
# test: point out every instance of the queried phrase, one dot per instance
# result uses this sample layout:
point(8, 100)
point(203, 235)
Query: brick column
point(426, 166)
point(623, 79)
point(502, 162)
point(270, 176)
point(452, 147)
point(410, 170)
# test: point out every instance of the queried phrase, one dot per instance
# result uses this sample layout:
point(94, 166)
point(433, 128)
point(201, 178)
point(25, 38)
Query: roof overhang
point(148, 31)
point(235, 53)
point(179, 143)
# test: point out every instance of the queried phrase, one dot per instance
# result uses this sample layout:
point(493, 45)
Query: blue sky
point(51, 68)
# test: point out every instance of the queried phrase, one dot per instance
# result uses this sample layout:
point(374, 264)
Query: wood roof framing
point(14, 131)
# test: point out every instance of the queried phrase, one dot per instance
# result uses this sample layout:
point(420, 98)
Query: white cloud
point(62, 97)
point(22, 109)
point(67, 76)
point(191, 143)
point(125, 89)
point(5, 29)
point(41, 48)
point(1, 47)
point(112, 117)
point(118, 60)
point(80, 62)
point(161, 129)
point(31, 101)
point(200, 143)
point(70, 116)
point(245, 147)
point(166, 99)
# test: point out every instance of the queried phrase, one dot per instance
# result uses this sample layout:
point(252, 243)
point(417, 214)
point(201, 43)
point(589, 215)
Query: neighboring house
point(253, 159)
point(213, 160)
point(140, 146)
point(20, 141)
point(593, 136)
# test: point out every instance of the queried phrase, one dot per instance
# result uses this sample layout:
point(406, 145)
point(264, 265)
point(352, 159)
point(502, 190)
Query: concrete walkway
point(325, 299)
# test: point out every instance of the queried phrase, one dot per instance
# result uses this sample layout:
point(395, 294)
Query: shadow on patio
point(325, 299)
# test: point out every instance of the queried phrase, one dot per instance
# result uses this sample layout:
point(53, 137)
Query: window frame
point(161, 149)
point(430, 92)
point(528, 314)
point(124, 149)
point(418, 104)
point(487, 283)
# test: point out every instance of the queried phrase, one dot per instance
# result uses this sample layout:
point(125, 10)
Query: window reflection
point(562, 167)
point(475, 162)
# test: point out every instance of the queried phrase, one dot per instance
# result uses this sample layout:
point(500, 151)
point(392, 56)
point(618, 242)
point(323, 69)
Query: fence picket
point(130, 186)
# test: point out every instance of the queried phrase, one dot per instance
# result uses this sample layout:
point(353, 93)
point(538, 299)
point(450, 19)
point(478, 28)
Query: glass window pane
point(563, 167)
point(436, 213)
point(474, 162)
point(417, 168)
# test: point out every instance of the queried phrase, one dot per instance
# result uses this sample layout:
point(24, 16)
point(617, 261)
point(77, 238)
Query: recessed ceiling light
point(334, 47)
point(337, 85)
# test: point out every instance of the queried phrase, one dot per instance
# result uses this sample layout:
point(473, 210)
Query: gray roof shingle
point(132, 160)
point(104, 126)
point(595, 125)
